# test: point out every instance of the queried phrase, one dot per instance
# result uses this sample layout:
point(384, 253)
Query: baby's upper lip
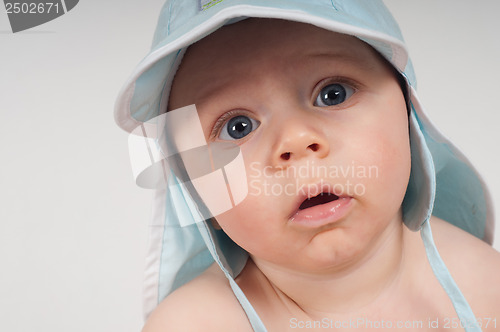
point(312, 190)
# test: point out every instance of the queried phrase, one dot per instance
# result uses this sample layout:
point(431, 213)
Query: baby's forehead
point(257, 37)
point(243, 56)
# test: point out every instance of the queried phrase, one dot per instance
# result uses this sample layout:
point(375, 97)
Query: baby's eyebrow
point(344, 58)
point(212, 91)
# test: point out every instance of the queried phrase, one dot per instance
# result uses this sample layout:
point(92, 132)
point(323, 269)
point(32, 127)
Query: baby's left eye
point(333, 94)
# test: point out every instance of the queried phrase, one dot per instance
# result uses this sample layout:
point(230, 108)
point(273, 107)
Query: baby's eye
point(238, 127)
point(333, 94)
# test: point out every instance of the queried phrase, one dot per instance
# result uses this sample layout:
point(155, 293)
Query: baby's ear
point(215, 224)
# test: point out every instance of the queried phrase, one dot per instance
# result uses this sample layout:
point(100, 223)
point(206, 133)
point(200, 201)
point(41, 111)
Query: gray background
point(73, 231)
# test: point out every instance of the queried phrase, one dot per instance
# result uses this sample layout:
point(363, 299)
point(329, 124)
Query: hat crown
point(179, 16)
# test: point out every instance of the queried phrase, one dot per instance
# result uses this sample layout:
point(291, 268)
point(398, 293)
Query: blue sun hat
point(183, 242)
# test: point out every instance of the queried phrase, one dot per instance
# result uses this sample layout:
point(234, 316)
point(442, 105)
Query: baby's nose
point(298, 140)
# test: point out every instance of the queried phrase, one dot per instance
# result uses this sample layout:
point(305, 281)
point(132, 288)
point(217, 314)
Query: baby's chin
point(329, 252)
point(343, 248)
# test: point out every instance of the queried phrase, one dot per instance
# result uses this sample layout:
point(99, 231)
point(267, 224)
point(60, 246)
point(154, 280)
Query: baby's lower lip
point(323, 214)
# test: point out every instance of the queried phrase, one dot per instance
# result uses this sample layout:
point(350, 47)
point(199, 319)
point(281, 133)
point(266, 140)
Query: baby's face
point(313, 112)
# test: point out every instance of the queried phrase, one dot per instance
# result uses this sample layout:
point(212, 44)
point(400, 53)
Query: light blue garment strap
point(441, 272)
point(252, 316)
point(254, 319)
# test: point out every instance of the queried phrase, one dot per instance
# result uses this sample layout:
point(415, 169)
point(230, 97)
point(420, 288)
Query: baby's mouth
point(322, 198)
point(320, 210)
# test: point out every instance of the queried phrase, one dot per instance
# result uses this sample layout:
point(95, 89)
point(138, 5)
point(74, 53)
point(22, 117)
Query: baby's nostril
point(285, 156)
point(314, 147)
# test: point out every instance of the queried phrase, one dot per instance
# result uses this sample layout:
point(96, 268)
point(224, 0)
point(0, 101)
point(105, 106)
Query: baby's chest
point(423, 313)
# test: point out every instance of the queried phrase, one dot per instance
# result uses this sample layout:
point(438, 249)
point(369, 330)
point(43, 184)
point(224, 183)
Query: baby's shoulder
point(473, 264)
point(207, 303)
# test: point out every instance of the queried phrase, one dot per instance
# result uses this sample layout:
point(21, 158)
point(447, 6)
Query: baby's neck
point(366, 283)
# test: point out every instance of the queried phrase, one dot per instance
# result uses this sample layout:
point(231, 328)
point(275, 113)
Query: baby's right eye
point(238, 127)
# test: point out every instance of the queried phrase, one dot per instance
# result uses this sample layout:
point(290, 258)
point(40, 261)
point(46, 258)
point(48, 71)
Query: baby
point(336, 178)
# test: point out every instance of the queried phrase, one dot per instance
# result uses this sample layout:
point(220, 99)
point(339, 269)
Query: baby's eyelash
point(332, 80)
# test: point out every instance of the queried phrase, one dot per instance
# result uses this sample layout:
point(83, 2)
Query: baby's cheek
point(393, 160)
point(244, 220)
point(382, 162)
